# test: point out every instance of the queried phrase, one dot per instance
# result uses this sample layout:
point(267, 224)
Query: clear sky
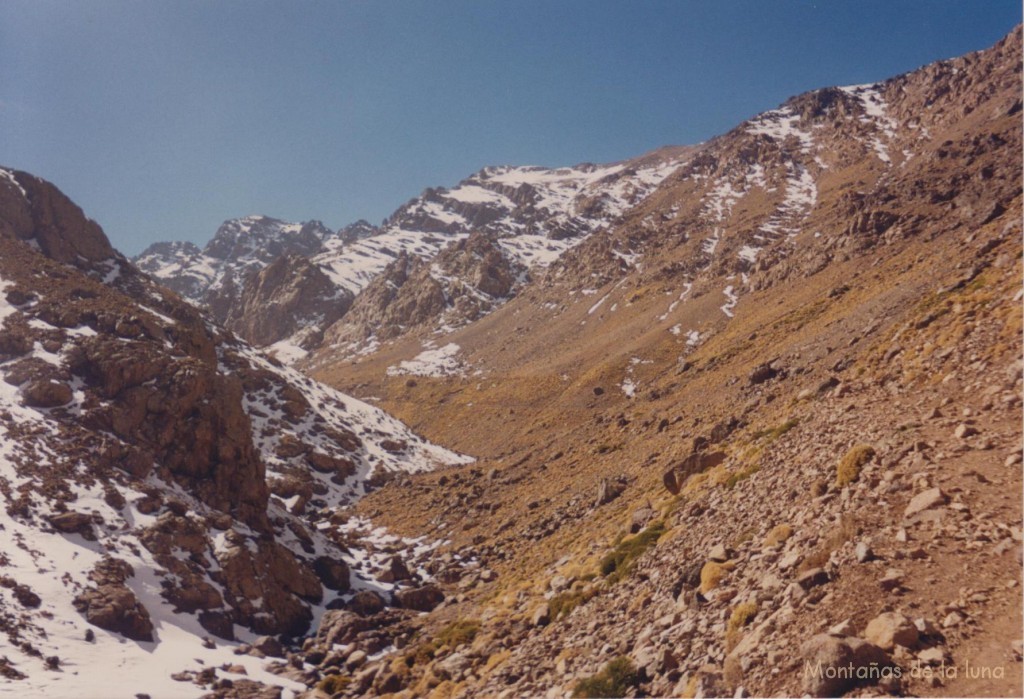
point(162, 119)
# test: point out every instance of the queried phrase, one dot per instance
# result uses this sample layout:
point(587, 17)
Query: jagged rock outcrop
point(466, 280)
point(111, 605)
point(34, 209)
point(217, 276)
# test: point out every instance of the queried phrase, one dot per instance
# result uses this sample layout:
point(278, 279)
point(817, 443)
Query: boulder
point(832, 666)
point(698, 461)
point(609, 489)
point(812, 578)
point(421, 599)
point(268, 645)
point(366, 603)
point(338, 627)
point(73, 523)
point(396, 571)
point(541, 616)
point(889, 630)
point(115, 608)
point(333, 573)
point(46, 393)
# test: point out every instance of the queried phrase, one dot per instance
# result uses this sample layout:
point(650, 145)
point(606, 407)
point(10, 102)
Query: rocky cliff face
point(216, 276)
point(289, 298)
point(161, 479)
point(463, 282)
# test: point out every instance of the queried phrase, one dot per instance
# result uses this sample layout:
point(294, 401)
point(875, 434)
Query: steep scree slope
point(780, 398)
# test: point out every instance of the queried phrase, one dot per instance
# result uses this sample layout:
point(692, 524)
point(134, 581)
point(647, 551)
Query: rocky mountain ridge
point(530, 215)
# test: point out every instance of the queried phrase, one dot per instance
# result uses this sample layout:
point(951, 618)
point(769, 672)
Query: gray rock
point(932, 656)
point(718, 553)
point(925, 500)
point(540, 616)
point(964, 430)
point(863, 552)
point(830, 664)
point(892, 580)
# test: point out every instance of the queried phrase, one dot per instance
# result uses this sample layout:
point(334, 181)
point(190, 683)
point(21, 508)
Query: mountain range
point(691, 424)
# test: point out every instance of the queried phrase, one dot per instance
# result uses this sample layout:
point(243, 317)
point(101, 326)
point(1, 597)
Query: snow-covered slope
point(166, 492)
point(534, 213)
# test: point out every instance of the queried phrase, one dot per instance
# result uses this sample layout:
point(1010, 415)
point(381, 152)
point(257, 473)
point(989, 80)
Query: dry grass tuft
point(850, 465)
point(778, 535)
point(710, 575)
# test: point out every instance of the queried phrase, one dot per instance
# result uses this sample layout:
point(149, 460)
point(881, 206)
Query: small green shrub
point(617, 678)
point(617, 562)
point(850, 465)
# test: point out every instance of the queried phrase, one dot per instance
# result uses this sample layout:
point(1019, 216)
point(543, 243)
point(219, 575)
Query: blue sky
point(162, 119)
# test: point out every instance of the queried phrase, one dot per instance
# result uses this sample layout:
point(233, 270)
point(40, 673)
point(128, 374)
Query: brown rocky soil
point(889, 318)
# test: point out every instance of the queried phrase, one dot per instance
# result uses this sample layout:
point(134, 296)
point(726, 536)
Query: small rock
point(812, 578)
point(963, 431)
point(268, 645)
point(932, 656)
point(540, 616)
point(790, 561)
point(718, 553)
point(925, 500)
point(892, 580)
point(356, 660)
point(863, 552)
point(952, 619)
point(843, 628)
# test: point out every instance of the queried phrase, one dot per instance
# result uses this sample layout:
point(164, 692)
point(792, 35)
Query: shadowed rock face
point(289, 294)
point(42, 213)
